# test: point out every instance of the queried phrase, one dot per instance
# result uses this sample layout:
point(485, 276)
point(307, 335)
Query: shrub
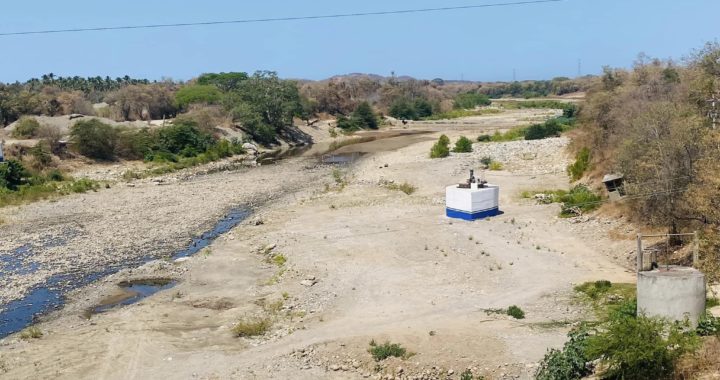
point(484, 138)
point(26, 127)
point(594, 289)
point(568, 363)
point(581, 165)
point(386, 350)
point(12, 174)
point(94, 139)
point(580, 199)
point(441, 148)
point(495, 165)
point(184, 139)
point(252, 327)
point(639, 348)
point(32, 332)
point(404, 187)
point(463, 145)
point(708, 325)
point(550, 128)
point(403, 109)
point(486, 161)
point(515, 312)
point(41, 156)
point(365, 116)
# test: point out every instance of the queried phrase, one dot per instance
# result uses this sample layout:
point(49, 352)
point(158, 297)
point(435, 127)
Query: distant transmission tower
point(579, 68)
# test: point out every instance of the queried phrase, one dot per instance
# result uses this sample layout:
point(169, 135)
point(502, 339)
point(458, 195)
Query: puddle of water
point(274, 157)
point(44, 298)
point(341, 158)
point(131, 292)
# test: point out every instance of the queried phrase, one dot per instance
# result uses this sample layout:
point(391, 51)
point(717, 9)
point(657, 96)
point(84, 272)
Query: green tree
point(471, 100)
point(441, 148)
point(365, 116)
point(206, 94)
point(224, 81)
point(27, 127)
point(11, 174)
point(402, 109)
point(463, 145)
point(94, 139)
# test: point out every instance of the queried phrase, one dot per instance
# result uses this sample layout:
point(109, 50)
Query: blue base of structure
point(458, 214)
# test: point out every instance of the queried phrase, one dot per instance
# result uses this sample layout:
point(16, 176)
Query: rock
point(335, 367)
point(450, 372)
point(308, 283)
point(182, 260)
point(250, 147)
point(268, 248)
point(399, 370)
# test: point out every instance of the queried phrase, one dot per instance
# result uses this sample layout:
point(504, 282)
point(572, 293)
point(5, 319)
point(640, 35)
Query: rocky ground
point(334, 261)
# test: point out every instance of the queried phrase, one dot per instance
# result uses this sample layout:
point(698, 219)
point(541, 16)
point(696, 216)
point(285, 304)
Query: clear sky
point(538, 41)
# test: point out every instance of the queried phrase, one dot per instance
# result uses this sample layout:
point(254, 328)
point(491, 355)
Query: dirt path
point(363, 263)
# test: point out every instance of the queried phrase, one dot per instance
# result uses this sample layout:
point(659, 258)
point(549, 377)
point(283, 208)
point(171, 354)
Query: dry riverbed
point(332, 260)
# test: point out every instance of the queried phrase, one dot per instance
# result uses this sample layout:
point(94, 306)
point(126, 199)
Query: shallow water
point(132, 292)
point(49, 296)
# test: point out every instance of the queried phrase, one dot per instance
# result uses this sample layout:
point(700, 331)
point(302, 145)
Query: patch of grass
point(405, 187)
point(712, 302)
point(40, 188)
point(32, 332)
point(275, 278)
point(516, 312)
point(285, 295)
point(550, 325)
point(250, 327)
point(517, 133)
point(274, 307)
point(495, 166)
point(386, 350)
point(607, 298)
point(279, 260)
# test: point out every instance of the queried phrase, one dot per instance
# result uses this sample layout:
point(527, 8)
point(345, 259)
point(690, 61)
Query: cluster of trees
point(535, 89)
point(362, 118)
point(441, 148)
point(97, 140)
point(650, 124)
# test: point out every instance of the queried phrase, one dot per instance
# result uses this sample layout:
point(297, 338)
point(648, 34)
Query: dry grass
point(32, 332)
point(249, 327)
point(405, 187)
point(704, 363)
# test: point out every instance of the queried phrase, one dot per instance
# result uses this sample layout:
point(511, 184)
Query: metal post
point(696, 250)
point(639, 253)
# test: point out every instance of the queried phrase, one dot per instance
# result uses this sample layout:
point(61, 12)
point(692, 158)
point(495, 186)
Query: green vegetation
point(550, 128)
point(568, 363)
point(459, 113)
point(534, 89)
point(578, 200)
point(94, 139)
point(468, 375)
point(495, 166)
point(411, 110)
point(250, 327)
point(581, 165)
point(197, 94)
point(279, 259)
point(569, 109)
point(516, 312)
point(362, 118)
point(471, 100)
point(25, 128)
point(224, 81)
point(32, 332)
point(441, 148)
point(628, 346)
point(386, 350)
point(463, 145)
point(405, 187)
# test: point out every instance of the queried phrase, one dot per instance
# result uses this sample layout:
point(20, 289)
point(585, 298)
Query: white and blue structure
point(472, 201)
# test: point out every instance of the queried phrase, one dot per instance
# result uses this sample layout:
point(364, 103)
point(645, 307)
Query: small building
point(614, 183)
point(472, 200)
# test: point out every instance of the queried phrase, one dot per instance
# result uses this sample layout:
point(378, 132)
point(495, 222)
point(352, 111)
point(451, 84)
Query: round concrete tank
point(675, 294)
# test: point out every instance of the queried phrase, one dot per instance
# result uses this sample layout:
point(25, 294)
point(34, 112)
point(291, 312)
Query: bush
point(594, 289)
point(12, 174)
point(405, 187)
point(252, 327)
point(486, 161)
point(362, 118)
point(580, 199)
point(463, 145)
point(32, 332)
point(639, 348)
point(184, 139)
point(516, 312)
point(568, 363)
point(484, 138)
point(386, 350)
point(581, 165)
point(26, 127)
point(94, 139)
point(403, 109)
point(495, 166)
point(41, 155)
point(441, 148)
point(550, 128)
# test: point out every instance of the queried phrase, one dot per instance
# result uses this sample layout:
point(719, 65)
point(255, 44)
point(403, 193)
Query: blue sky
point(538, 41)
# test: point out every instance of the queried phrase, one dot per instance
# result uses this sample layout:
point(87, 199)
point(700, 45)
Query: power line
point(277, 19)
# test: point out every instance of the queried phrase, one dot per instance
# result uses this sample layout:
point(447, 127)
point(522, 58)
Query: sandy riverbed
point(363, 263)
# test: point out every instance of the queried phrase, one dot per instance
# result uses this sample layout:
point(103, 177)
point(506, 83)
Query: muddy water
point(131, 292)
point(49, 296)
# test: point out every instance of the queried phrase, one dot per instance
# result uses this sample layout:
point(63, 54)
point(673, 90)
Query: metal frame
point(696, 248)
